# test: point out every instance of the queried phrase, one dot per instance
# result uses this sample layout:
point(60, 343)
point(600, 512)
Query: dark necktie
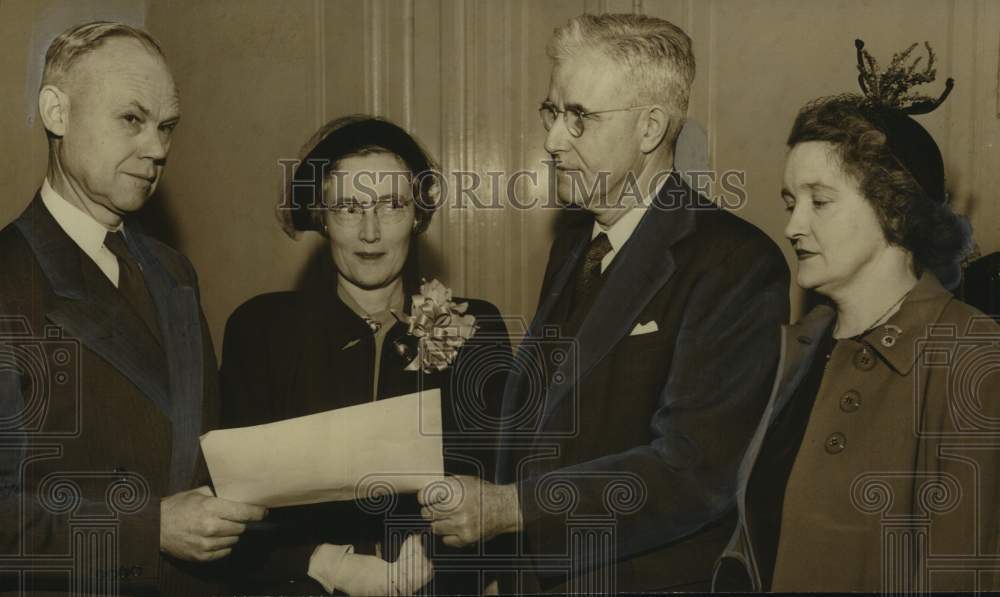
point(588, 277)
point(131, 283)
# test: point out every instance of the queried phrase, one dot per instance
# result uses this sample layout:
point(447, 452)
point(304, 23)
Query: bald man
point(107, 371)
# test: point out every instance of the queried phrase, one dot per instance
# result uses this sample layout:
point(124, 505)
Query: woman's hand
point(412, 569)
point(357, 574)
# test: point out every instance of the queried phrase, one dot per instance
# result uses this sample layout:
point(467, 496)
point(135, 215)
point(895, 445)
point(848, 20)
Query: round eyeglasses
point(388, 211)
point(573, 117)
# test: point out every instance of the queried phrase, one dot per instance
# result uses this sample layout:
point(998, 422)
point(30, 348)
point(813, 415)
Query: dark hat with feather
point(889, 104)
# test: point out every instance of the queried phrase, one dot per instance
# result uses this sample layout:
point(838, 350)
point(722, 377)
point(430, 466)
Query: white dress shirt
point(86, 232)
point(619, 232)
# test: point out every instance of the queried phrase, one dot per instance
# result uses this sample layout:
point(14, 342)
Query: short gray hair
point(656, 53)
point(78, 41)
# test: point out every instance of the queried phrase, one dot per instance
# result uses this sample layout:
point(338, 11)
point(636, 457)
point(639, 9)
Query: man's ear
point(53, 106)
point(657, 122)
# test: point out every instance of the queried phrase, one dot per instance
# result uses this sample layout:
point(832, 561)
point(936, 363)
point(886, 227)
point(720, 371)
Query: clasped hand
point(363, 575)
point(199, 527)
point(464, 510)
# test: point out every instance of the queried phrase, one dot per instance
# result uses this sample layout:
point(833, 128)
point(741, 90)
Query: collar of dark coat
point(324, 310)
point(670, 218)
point(56, 252)
point(88, 306)
point(897, 340)
point(643, 265)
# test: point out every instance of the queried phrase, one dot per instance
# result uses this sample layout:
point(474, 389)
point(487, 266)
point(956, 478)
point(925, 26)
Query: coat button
point(850, 401)
point(864, 360)
point(836, 443)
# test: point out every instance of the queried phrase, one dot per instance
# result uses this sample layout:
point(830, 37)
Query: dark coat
point(290, 354)
point(638, 437)
point(98, 420)
point(911, 480)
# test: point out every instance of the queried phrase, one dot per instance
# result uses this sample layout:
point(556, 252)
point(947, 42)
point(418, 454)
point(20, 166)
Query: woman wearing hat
point(346, 338)
point(873, 464)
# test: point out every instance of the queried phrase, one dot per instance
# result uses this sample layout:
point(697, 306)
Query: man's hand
point(198, 527)
point(464, 510)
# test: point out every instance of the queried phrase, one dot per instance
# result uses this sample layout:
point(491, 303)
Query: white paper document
point(387, 446)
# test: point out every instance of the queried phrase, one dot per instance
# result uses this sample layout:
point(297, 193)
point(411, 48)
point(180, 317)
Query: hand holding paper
point(464, 510)
point(197, 526)
point(344, 454)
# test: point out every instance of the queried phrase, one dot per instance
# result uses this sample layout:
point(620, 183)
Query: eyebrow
point(379, 198)
point(139, 107)
point(575, 106)
point(813, 186)
point(147, 114)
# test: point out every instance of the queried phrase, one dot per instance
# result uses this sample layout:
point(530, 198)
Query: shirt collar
point(619, 232)
point(85, 231)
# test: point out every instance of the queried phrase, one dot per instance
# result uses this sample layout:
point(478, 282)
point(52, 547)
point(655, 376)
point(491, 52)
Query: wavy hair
point(901, 175)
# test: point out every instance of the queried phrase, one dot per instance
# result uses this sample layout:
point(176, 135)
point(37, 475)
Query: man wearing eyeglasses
point(621, 475)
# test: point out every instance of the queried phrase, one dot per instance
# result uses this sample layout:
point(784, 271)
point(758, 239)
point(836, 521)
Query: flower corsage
point(438, 326)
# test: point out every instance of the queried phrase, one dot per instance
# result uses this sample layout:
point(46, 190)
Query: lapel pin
point(889, 339)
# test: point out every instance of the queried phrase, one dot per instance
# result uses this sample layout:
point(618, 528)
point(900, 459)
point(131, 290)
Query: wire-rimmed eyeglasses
point(387, 210)
point(573, 117)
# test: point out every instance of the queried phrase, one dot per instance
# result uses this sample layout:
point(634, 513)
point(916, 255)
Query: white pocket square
point(644, 328)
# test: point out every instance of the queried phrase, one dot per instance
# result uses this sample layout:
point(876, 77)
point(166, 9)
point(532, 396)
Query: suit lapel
point(180, 324)
point(517, 387)
point(577, 243)
point(644, 264)
point(799, 343)
point(89, 308)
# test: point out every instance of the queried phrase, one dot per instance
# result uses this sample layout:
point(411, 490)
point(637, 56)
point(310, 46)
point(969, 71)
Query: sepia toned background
point(257, 77)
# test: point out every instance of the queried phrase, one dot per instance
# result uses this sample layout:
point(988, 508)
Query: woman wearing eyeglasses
point(365, 185)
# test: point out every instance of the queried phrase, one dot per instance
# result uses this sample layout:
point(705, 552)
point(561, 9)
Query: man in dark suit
point(107, 372)
point(658, 330)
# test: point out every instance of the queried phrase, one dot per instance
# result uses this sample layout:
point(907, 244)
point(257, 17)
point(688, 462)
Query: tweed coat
point(895, 484)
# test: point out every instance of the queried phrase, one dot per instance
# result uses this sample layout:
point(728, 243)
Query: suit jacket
point(634, 446)
point(99, 421)
point(291, 354)
point(911, 480)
